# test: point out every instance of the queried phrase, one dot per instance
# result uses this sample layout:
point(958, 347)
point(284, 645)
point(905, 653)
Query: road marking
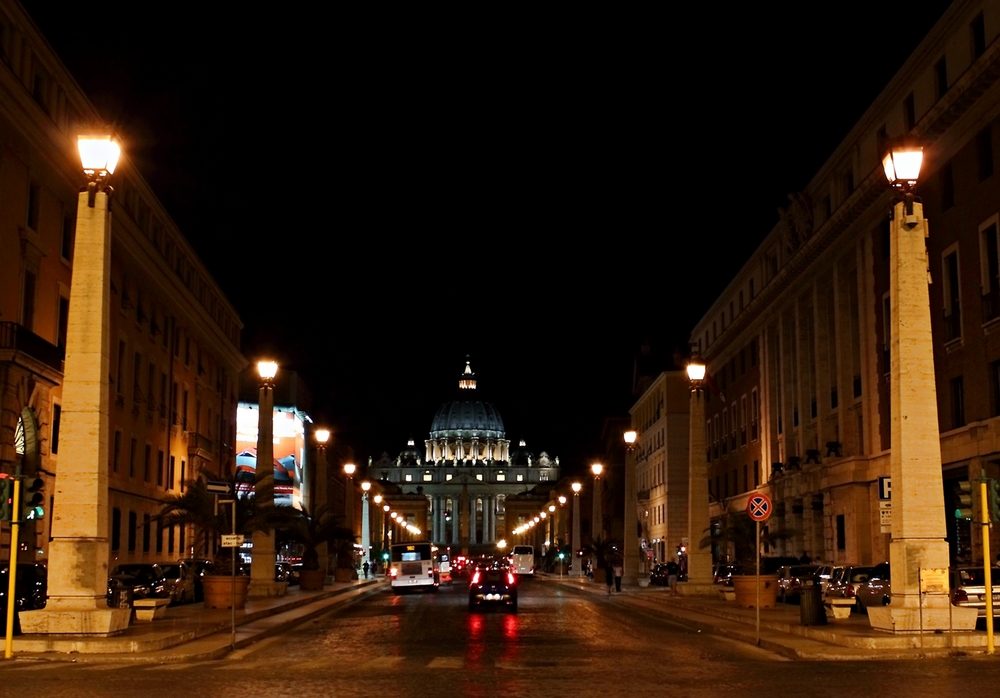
point(382, 663)
point(447, 663)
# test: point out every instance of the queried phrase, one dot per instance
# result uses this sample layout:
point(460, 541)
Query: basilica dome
point(467, 415)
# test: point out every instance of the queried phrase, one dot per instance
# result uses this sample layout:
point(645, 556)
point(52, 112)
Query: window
point(743, 422)
point(947, 187)
point(479, 476)
point(34, 199)
point(132, 448)
point(116, 529)
point(984, 153)
point(952, 296)
point(941, 77)
point(841, 533)
point(756, 474)
point(447, 477)
point(732, 426)
point(886, 332)
point(159, 536)
point(725, 430)
point(133, 525)
point(147, 464)
point(754, 414)
point(427, 476)
point(116, 454)
point(120, 369)
point(159, 468)
point(408, 477)
point(989, 269)
point(146, 532)
point(63, 327)
point(28, 300)
point(957, 402)
point(170, 539)
point(170, 473)
point(520, 477)
point(66, 240)
point(977, 31)
point(995, 388)
point(137, 396)
point(849, 182)
point(909, 112)
point(501, 476)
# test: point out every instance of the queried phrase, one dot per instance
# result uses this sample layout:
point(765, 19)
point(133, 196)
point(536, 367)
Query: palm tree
point(737, 529)
point(197, 506)
point(607, 552)
point(312, 530)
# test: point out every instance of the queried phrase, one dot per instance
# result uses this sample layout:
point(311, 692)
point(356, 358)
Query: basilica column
point(454, 521)
point(486, 518)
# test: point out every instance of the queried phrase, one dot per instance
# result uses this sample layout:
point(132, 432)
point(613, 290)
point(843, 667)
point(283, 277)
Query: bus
point(522, 559)
point(412, 565)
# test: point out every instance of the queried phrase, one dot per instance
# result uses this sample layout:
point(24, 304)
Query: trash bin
point(811, 610)
point(121, 597)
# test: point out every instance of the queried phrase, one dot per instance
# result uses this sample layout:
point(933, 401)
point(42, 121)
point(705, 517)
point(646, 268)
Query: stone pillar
point(577, 561)
point(78, 554)
point(918, 549)
point(630, 535)
point(322, 503)
point(699, 559)
point(454, 522)
point(486, 519)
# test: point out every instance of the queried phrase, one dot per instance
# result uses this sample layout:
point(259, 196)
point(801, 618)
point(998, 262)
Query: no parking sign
point(759, 507)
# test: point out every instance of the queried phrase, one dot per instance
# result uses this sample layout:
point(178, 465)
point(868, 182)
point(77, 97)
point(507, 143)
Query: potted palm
point(607, 552)
point(345, 569)
point(196, 506)
point(312, 530)
point(735, 531)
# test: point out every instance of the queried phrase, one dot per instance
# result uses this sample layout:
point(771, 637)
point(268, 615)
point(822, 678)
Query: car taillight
point(510, 579)
point(393, 572)
point(475, 577)
point(850, 591)
point(959, 595)
point(430, 573)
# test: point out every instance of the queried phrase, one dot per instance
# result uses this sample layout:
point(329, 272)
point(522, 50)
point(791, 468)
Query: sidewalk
point(193, 633)
point(781, 630)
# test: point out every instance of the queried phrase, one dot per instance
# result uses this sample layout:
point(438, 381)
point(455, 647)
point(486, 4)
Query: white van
point(522, 559)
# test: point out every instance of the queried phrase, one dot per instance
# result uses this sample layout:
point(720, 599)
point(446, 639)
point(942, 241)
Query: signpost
point(759, 509)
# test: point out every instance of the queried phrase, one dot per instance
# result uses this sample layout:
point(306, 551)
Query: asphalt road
point(559, 643)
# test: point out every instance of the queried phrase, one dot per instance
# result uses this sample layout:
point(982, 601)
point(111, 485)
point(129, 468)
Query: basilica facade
point(466, 470)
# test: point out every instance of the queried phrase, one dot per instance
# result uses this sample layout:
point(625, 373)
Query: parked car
point(722, 573)
point(199, 568)
point(658, 575)
point(146, 580)
point(30, 591)
point(792, 578)
point(178, 581)
point(827, 573)
point(968, 588)
point(844, 585)
point(875, 591)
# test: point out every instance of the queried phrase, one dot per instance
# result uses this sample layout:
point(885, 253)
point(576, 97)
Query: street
point(560, 643)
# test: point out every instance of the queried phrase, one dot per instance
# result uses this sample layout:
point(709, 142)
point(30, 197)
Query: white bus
point(412, 566)
point(522, 559)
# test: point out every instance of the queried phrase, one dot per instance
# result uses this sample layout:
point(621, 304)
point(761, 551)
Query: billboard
point(289, 452)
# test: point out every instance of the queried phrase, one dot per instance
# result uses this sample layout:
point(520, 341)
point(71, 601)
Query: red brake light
point(849, 590)
point(959, 595)
point(475, 577)
point(510, 578)
point(392, 572)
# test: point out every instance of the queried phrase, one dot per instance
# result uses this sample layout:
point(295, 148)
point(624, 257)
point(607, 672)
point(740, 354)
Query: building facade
point(661, 418)
point(797, 345)
point(174, 345)
point(466, 470)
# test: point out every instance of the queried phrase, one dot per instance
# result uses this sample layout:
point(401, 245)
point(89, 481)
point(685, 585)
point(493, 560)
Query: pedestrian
point(673, 570)
point(609, 577)
point(365, 567)
point(618, 577)
point(805, 559)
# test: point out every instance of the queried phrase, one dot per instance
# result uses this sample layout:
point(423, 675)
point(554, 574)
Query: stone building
point(174, 347)
point(466, 470)
point(797, 344)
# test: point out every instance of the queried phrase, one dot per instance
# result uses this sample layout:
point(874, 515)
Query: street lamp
point(349, 469)
point(322, 503)
point(630, 539)
point(577, 569)
point(365, 523)
point(699, 559)
point(385, 534)
point(918, 549)
point(263, 559)
point(598, 513)
point(78, 553)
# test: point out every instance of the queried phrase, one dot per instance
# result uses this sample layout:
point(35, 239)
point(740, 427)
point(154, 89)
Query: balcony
point(200, 446)
point(21, 346)
point(642, 495)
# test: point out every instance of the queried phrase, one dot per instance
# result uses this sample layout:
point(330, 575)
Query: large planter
point(745, 587)
point(311, 580)
point(341, 574)
point(218, 591)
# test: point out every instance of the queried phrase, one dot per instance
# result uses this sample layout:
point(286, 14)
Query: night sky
point(381, 193)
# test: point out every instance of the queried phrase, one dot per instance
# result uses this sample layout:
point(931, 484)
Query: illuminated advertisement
point(289, 452)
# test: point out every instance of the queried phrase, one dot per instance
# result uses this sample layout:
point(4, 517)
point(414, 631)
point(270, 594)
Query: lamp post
point(630, 537)
point(385, 537)
point(262, 563)
point(366, 542)
point(699, 570)
point(78, 553)
point(578, 567)
point(349, 469)
point(322, 503)
point(918, 550)
point(598, 514)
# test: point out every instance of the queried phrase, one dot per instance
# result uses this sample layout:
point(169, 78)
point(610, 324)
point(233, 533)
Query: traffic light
point(993, 498)
point(967, 502)
point(32, 499)
point(385, 557)
point(6, 495)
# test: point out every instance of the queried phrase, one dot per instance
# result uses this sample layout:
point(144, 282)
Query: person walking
point(673, 571)
point(365, 568)
point(609, 577)
point(618, 571)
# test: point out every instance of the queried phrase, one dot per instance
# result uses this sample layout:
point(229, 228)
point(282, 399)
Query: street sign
point(218, 487)
point(232, 541)
point(885, 488)
point(885, 516)
point(759, 507)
